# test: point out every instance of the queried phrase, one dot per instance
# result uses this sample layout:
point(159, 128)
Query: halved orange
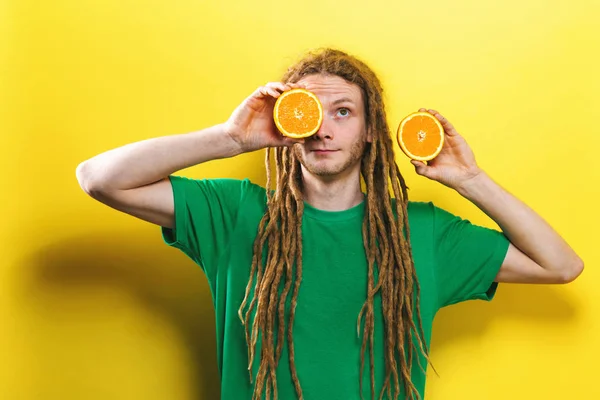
point(420, 136)
point(298, 113)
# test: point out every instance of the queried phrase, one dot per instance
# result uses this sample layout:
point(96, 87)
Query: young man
point(341, 285)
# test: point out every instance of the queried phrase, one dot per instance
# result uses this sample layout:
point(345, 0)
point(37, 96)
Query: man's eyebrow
point(343, 100)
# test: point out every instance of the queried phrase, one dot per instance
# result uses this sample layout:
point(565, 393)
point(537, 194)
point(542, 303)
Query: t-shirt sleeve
point(467, 258)
point(205, 215)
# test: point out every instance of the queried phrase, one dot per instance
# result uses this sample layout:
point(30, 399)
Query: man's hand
point(251, 124)
point(537, 254)
point(455, 166)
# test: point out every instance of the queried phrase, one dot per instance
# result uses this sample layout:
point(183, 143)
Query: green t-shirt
point(216, 222)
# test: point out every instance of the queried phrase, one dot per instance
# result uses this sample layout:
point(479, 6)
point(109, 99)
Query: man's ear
point(369, 135)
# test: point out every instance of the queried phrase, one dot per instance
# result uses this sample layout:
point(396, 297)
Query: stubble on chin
point(356, 153)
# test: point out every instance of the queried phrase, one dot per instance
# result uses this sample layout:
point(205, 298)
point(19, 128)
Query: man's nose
point(324, 131)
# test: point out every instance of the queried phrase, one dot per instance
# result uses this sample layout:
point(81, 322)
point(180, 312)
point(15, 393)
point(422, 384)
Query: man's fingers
point(272, 89)
point(420, 166)
point(448, 127)
point(265, 91)
point(275, 89)
point(279, 86)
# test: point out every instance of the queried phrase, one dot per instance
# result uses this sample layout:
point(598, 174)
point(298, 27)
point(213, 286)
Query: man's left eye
point(343, 112)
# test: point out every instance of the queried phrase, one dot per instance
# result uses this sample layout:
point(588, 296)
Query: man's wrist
point(476, 186)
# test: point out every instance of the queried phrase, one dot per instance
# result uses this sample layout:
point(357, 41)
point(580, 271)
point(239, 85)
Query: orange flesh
point(421, 136)
point(298, 113)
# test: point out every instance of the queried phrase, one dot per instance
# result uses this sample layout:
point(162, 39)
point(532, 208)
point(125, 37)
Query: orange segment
point(421, 136)
point(298, 113)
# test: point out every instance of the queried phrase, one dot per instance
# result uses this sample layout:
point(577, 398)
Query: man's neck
point(333, 193)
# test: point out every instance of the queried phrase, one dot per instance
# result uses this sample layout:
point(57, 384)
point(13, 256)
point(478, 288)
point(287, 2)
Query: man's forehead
point(331, 87)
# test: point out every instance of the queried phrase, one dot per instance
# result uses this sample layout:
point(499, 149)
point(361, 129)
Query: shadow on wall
point(167, 284)
point(161, 280)
point(545, 304)
point(172, 287)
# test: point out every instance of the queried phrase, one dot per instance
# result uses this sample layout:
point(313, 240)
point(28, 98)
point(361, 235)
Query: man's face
point(339, 144)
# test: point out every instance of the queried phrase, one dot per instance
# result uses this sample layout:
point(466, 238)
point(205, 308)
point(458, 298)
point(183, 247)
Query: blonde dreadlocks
point(386, 238)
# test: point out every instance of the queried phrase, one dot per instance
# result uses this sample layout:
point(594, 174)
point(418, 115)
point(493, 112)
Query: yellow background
point(95, 306)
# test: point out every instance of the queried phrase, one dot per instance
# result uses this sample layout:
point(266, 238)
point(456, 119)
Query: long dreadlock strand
point(295, 187)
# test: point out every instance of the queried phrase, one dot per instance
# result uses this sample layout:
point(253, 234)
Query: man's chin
point(319, 168)
point(323, 173)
